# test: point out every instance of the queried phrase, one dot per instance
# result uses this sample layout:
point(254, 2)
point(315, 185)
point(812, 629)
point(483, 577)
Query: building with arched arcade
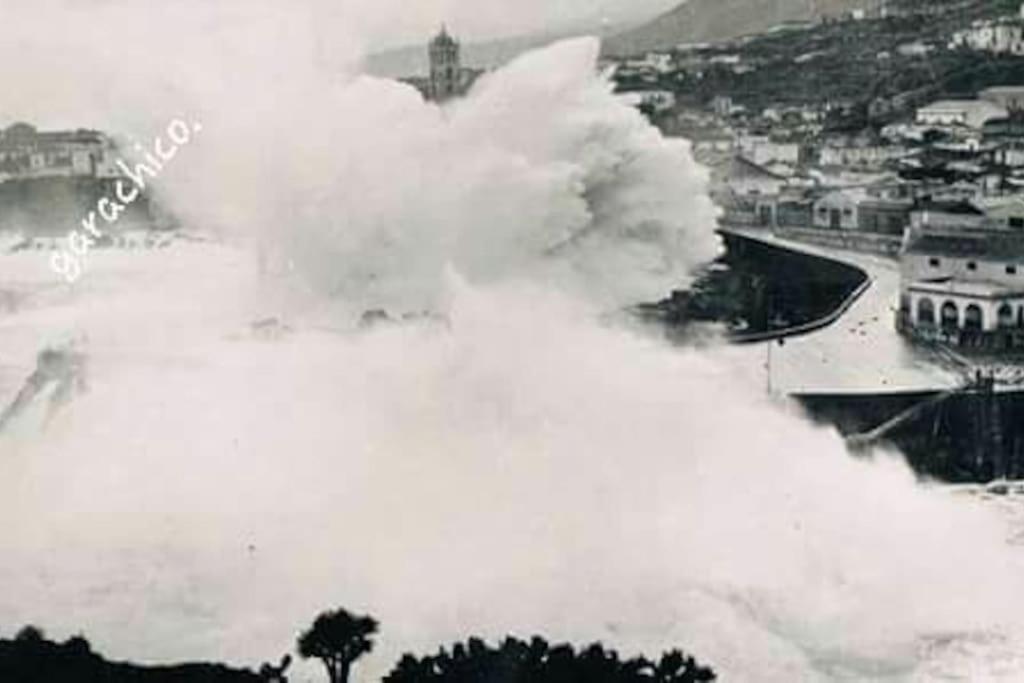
point(963, 286)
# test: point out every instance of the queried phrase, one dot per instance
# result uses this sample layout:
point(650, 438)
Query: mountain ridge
point(708, 21)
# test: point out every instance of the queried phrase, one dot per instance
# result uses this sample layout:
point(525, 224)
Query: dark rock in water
point(269, 328)
point(374, 317)
point(998, 488)
point(378, 316)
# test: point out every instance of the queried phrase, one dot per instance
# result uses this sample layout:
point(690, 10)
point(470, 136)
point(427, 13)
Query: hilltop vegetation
point(338, 639)
point(707, 21)
point(31, 658)
point(884, 66)
point(749, 24)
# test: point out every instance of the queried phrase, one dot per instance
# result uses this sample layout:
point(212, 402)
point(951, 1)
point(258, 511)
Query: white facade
point(838, 210)
point(1010, 156)
point(873, 155)
point(957, 306)
point(958, 282)
point(969, 113)
point(762, 151)
point(919, 267)
point(1002, 36)
point(746, 178)
point(1007, 212)
point(1008, 96)
point(927, 220)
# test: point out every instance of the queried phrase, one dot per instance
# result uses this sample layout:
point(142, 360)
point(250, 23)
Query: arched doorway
point(950, 316)
point(925, 312)
point(1006, 317)
point(974, 319)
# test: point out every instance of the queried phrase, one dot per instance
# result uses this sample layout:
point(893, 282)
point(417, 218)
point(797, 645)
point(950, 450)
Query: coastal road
point(860, 352)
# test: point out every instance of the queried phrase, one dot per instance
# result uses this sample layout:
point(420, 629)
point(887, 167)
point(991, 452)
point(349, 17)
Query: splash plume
point(523, 469)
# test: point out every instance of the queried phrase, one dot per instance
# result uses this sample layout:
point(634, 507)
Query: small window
point(1016, 222)
point(1011, 270)
point(934, 262)
point(971, 265)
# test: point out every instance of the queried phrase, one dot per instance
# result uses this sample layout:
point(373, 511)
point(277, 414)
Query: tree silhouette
point(338, 638)
point(30, 634)
point(517, 661)
point(78, 646)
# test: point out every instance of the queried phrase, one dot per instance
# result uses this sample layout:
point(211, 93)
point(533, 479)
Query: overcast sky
point(83, 61)
point(386, 23)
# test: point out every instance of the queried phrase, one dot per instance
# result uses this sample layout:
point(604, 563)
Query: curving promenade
point(855, 349)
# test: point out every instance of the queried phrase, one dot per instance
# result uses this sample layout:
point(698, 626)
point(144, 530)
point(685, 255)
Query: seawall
point(947, 424)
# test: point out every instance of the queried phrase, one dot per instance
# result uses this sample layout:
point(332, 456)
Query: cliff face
point(704, 21)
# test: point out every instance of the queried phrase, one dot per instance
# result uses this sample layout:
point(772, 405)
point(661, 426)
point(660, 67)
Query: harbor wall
point(974, 433)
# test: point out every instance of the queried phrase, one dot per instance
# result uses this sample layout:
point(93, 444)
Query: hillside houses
point(897, 130)
point(866, 157)
point(763, 150)
point(1002, 35)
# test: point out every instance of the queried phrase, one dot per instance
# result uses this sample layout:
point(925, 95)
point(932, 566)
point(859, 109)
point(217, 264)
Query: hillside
point(838, 61)
point(30, 658)
point(705, 21)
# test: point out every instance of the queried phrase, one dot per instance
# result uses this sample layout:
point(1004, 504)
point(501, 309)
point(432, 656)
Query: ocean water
point(516, 463)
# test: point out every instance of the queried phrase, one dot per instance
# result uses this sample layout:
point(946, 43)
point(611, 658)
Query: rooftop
point(962, 105)
point(960, 208)
point(974, 288)
point(444, 38)
point(1008, 89)
point(984, 245)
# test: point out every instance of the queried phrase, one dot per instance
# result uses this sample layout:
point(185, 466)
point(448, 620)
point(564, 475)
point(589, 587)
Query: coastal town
point(630, 341)
point(881, 145)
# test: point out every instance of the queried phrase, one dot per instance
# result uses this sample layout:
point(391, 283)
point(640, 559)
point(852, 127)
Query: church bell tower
point(445, 68)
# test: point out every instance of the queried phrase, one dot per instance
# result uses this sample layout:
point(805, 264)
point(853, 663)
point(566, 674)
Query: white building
point(746, 179)
point(947, 215)
point(657, 62)
point(969, 113)
point(1009, 156)
point(28, 153)
point(962, 278)
point(963, 288)
point(761, 150)
point(867, 156)
point(1009, 97)
point(838, 210)
point(1006, 211)
point(999, 36)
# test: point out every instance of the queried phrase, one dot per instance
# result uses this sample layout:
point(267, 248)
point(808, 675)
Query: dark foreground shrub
point(518, 661)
